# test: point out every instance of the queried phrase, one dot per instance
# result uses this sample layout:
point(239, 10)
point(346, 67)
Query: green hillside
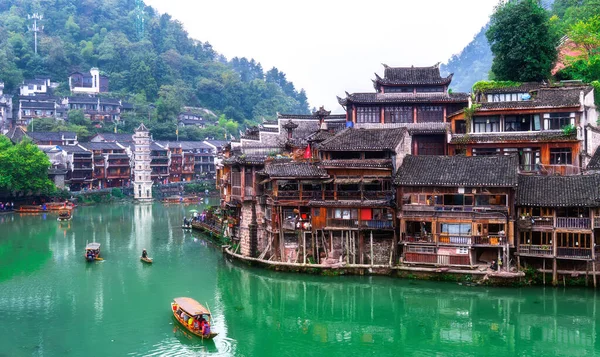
point(148, 57)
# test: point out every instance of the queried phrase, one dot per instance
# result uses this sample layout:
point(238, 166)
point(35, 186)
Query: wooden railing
point(248, 191)
point(438, 259)
point(348, 195)
point(585, 253)
point(535, 249)
point(418, 238)
point(454, 239)
point(542, 222)
point(236, 191)
point(288, 195)
point(573, 222)
point(342, 223)
point(377, 224)
point(487, 240)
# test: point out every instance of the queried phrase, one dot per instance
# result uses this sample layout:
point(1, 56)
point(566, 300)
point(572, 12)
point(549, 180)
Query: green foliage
point(522, 42)
point(198, 187)
point(164, 66)
point(596, 85)
point(569, 129)
point(586, 34)
point(482, 86)
point(117, 192)
point(24, 168)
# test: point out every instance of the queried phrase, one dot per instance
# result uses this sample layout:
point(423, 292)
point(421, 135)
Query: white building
point(91, 83)
point(142, 180)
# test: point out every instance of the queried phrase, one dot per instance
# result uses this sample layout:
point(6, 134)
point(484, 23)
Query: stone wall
point(245, 219)
point(593, 141)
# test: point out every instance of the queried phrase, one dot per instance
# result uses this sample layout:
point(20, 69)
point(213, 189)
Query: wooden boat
point(64, 215)
point(92, 252)
point(194, 309)
point(180, 199)
point(189, 226)
point(146, 260)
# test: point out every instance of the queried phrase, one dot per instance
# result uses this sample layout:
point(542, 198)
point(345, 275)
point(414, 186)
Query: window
point(30, 87)
point(485, 151)
point(456, 228)
point(529, 159)
point(343, 213)
point(398, 114)
point(39, 87)
point(367, 115)
point(430, 114)
point(557, 121)
point(522, 123)
point(430, 148)
point(429, 89)
point(486, 124)
point(561, 156)
point(460, 127)
point(398, 89)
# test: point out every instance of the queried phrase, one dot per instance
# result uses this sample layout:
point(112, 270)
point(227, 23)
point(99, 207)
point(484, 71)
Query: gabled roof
point(559, 191)
point(305, 117)
point(435, 97)
point(412, 76)
point(75, 149)
point(594, 163)
point(359, 163)
point(463, 171)
point(102, 146)
point(142, 127)
point(112, 137)
point(51, 135)
point(364, 140)
point(295, 170)
point(37, 105)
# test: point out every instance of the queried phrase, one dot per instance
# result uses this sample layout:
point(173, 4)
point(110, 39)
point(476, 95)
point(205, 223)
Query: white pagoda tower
point(142, 181)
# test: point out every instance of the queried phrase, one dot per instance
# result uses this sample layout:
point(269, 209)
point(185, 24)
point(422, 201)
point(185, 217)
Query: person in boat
point(144, 254)
point(197, 324)
point(185, 221)
point(205, 328)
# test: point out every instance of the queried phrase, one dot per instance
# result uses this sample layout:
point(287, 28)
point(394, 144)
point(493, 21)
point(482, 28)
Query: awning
point(346, 181)
point(316, 182)
point(372, 180)
point(264, 181)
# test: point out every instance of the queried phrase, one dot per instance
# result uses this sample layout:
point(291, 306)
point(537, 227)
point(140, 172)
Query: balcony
point(248, 192)
point(411, 238)
point(377, 224)
point(573, 223)
point(574, 253)
point(529, 249)
point(236, 191)
point(437, 259)
point(349, 195)
point(288, 195)
point(377, 195)
point(487, 240)
point(454, 239)
point(342, 223)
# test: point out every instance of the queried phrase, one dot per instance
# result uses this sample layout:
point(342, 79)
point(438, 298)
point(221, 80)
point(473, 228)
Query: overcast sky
point(328, 47)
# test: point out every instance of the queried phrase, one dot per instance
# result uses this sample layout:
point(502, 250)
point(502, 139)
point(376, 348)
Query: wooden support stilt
point(554, 273)
point(544, 273)
point(372, 249)
point(587, 270)
point(304, 248)
point(594, 272)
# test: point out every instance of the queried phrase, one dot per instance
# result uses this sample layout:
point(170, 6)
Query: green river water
point(53, 303)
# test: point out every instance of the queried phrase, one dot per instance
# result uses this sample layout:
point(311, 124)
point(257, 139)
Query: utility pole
point(35, 28)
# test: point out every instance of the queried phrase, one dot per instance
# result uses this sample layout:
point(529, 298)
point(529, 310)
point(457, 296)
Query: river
point(53, 303)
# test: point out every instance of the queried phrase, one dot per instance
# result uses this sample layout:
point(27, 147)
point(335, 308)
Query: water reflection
point(373, 315)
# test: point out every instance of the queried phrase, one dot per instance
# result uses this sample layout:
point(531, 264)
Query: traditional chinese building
point(559, 219)
point(407, 95)
point(456, 210)
point(551, 128)
point(142, 181)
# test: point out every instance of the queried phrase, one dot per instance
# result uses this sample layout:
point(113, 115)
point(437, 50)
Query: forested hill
point(474, 62)
point(144, 53)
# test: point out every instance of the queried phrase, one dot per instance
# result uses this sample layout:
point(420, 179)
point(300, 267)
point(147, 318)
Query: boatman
point(144, 254)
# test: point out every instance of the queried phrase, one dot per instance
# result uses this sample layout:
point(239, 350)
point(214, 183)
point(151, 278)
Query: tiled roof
point(35, 105)
point(350, 203)
point(82, 99)
point(427, 128)
point(372, 98)
point(413, 76)
point(111, 137)
point(101, 146)
point(306, 117)
point(364, 139)
point(559, 191)
point(156, 146)
point(185, 145)
point(217, 143)
point(555, 97)
point(246, 159)
point(594, 163)
point(294, 169)
point(75, 148)
point(359, 163)
point(479, 171)
point(508, 136)
point(51, 135)
point(320, 136)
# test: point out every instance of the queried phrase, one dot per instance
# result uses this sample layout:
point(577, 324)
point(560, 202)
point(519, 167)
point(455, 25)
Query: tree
point(522, 42)
point(76, 116)
point(586, 34)
point(24, 168)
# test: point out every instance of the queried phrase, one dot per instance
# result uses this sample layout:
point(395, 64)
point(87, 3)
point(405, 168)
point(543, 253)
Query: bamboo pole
point(594, 271)
point(304, 247)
